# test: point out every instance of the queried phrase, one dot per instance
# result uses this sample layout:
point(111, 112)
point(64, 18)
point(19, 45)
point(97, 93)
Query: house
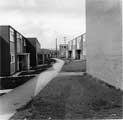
point(70, 43)
point(77, 47)
point(33, 47)
point(44, 55)
point(104, 40)
point(17, 52)
point(13, 54)
point(63, 48)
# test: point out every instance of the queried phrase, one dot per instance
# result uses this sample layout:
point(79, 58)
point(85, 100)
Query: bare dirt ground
point(74, 97)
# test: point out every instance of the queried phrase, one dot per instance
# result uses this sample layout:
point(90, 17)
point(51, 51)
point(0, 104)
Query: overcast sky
point(45, 19)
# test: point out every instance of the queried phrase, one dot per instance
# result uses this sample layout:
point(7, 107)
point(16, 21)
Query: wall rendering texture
point(104, 40)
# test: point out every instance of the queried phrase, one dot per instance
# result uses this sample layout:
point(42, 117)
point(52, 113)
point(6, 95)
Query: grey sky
point(45, 19)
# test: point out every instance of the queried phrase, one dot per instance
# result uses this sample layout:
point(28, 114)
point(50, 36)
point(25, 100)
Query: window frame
point(12, 58)
point(12, 35)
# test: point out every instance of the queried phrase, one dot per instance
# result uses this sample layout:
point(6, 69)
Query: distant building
point(54, 53)
point(104, 40)
point(44, 55)
point(63, 48)
point(77, 47)
point(33, 47)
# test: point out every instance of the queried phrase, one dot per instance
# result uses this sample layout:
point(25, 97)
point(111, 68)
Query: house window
point(24, 42)
point(19, 43)
point(74, 43)
point(11, 35)
point(84, 38)
point(12, 58)
point(79, 42)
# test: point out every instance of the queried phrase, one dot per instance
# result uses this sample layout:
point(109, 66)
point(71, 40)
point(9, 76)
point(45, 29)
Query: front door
point(20, 62)
point(23, 62)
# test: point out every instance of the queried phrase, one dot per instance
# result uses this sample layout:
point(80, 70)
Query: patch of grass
point(74, 97)
point(13, 82)
point(36, 70)
point(74, 66)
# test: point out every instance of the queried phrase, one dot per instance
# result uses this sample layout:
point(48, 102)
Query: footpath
point(73, 95)
point(21, 95)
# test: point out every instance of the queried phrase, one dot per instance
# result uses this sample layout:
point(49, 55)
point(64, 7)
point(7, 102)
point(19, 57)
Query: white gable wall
point(104, 40)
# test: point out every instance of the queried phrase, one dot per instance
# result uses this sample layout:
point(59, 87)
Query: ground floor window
point(12, 58)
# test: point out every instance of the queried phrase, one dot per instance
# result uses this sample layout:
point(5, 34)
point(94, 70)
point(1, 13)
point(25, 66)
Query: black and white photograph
point(61, 60)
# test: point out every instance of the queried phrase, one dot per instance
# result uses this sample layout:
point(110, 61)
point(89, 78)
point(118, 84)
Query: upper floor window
point(19, 36)
point(12, 58)
point(84, 38)
point(74, 42)
point(79, 42)
point(19, 43)
point(11, 35)
point(24, 42)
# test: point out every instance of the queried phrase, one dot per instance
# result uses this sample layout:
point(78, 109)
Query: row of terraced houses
point(19, 53)
point(75, 49)
point(102, 48)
